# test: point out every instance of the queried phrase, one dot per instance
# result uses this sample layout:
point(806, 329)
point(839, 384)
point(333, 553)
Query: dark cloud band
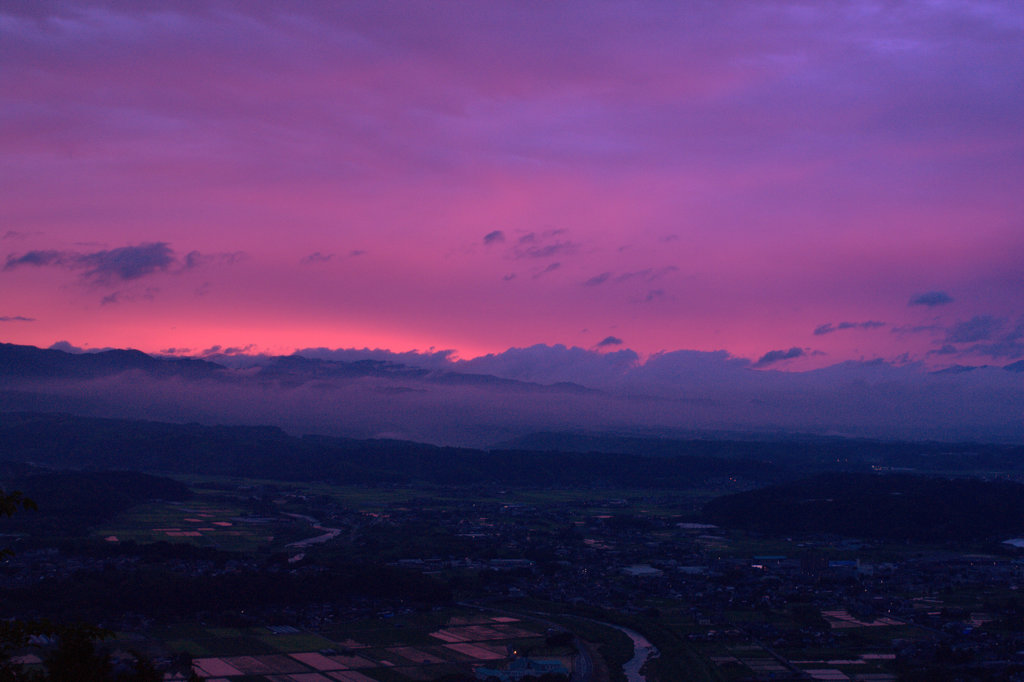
point(121, 264)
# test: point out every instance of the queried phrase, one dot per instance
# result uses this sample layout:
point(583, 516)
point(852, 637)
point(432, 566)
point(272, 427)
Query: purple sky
point(795, 183)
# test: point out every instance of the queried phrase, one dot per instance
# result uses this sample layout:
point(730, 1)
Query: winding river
point(643, 651)
point(329, 533)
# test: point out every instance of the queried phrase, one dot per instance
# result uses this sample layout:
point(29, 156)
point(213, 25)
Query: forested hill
point(69, 442)
point(893, 506)
point(70, 501)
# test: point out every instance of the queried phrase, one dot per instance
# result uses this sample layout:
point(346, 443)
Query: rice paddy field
point(741, 662)
point(196, 522)
point(414, 647)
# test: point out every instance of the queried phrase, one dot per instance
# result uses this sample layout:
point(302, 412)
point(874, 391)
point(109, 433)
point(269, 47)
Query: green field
point(196, 522)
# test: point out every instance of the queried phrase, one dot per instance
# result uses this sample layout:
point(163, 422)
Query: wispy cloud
point(18, 234)
point(551, 268)
point(597, 280)
point(917, 329)
point(609, 341)
point(978, 328)
point(829, 328)
point(547, 250)
point(647, 274)
point(128, 296)
point(16, 318)
point(644, 275)
point(316, 257)
point(195, 259)
point(931, 299)
point(218, 350)
point(545, 244)
point(34, 258)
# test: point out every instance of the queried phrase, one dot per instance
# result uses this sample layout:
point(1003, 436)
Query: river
point(643, 651)
point(329, 533)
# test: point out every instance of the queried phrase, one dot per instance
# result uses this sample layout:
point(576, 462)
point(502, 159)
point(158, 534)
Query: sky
point(794, 184)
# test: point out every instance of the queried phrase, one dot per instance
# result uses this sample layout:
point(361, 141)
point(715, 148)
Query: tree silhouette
point(10, 502)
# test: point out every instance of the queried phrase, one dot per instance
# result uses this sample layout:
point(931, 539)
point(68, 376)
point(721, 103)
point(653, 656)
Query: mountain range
point(434, 398)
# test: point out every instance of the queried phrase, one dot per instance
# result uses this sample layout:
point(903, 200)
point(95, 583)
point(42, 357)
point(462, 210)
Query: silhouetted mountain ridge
point(29, 362)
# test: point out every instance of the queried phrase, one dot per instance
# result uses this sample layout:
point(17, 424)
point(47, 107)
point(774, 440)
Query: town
point(333, 563)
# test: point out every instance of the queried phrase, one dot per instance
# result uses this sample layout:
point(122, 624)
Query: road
point(583, 663)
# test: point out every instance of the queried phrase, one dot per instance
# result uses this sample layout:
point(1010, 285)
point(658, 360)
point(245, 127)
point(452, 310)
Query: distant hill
point(29, 362)
point(893, 506)
point(65, 441)
point(296, 370)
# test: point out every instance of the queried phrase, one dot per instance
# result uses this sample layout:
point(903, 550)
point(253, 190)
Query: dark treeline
point(68, 502)
point(64, 441)
point(798, 452)
point(162, 594)
point(894, 506)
